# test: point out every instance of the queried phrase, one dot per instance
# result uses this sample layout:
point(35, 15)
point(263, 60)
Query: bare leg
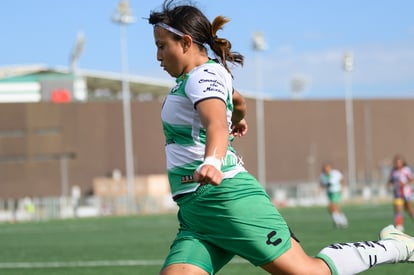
point(183, 269)
point(398, 214)
point(296, 261)
point(409, 209)
point(338, 216)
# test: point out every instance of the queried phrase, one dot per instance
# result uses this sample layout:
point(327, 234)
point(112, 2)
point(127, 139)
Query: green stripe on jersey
point(179, 134)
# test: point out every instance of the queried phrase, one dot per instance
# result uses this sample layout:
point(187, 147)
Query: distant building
point(37, 83)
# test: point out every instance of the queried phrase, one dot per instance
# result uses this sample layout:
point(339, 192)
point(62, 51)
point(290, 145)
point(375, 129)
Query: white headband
point(175, 31)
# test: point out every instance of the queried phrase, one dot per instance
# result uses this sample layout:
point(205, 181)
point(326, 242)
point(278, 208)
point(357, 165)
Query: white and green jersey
point(184, 133)
point(332, 181)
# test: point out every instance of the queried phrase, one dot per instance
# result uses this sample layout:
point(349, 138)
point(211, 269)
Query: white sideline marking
point(90, 264)
point(80, 264)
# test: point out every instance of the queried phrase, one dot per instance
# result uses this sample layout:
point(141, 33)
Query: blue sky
point(306, 40)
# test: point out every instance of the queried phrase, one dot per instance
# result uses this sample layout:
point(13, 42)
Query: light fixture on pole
point(77, 51)
point(78, 85)
point(348, 63)
point(259, 45)
point(123, 16)
point(297, 86)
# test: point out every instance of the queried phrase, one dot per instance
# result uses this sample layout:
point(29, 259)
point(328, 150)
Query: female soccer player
point(400, 179)
point(333, 180)
point(223, 210)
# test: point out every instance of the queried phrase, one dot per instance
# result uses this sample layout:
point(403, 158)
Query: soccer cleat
point(400, 228)
point(405, 242)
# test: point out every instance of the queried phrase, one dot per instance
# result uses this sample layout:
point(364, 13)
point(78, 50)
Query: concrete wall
point(40, 143)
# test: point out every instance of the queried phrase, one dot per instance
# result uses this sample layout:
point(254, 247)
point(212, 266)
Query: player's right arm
point(390, 181)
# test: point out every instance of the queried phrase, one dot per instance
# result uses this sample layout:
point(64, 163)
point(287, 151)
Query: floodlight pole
point(123, 17)
point(259, 45)
point(348, 67)
point(76, 52)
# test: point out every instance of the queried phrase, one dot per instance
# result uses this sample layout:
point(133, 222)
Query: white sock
point(336, 216)
point(353, 258)
point(344, 220)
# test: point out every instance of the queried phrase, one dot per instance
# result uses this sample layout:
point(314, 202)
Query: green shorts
point(234, 218)
point(334, 197)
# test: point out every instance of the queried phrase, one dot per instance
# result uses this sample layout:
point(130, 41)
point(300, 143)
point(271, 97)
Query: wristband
point(211, 160)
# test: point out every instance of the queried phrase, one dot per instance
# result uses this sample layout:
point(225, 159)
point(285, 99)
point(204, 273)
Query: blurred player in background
point(400, 180)
point(223, 210)
point(332, 181)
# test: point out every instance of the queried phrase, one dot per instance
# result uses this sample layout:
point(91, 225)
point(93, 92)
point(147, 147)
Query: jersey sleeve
point(340, 175)
point(408, 173)
point(206, 83)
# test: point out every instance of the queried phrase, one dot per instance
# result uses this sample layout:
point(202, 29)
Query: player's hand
point(239, 129)
point(208, 174)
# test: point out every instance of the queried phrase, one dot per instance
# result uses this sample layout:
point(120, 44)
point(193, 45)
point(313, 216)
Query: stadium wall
point(44, 144)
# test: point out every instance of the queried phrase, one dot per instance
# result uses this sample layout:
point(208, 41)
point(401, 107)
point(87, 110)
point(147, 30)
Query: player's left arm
point(343, 184)
point(238, 122)
point(410, 178)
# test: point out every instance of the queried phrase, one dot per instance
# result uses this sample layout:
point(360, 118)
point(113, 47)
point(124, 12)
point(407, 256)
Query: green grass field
point(138, 245)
